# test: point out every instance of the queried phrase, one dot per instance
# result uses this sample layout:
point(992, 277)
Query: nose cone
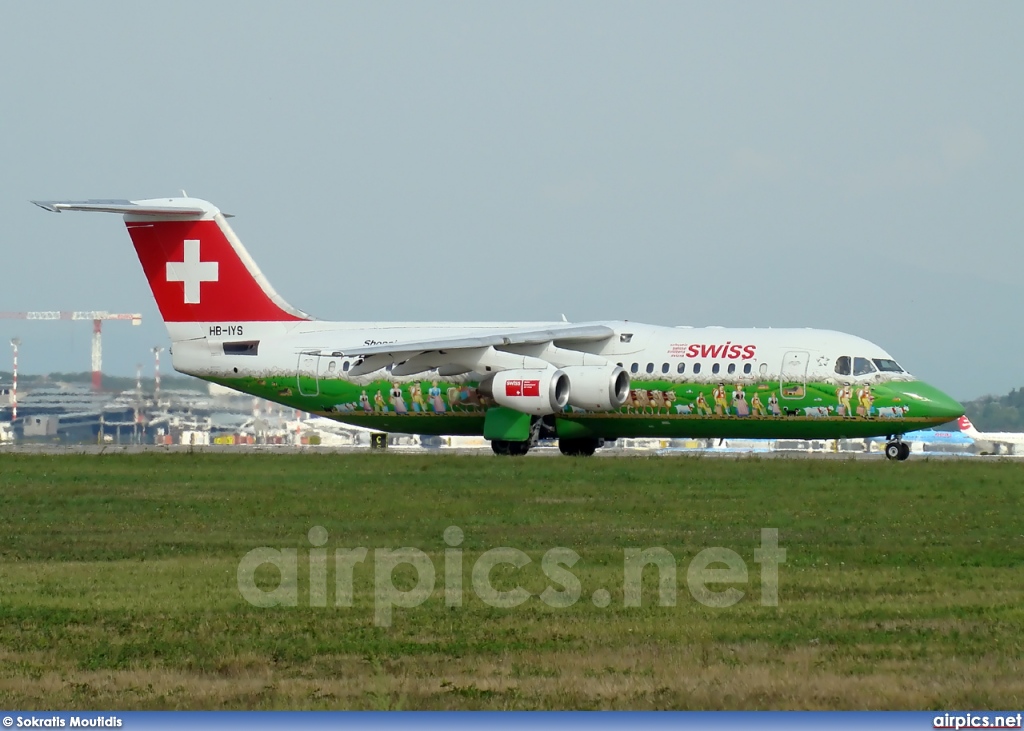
point(929, 402)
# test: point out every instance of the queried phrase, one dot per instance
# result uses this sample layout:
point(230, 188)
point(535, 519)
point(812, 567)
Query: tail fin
point(196, 266)
point(966, 426)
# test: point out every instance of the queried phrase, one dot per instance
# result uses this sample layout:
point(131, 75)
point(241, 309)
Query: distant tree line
point(998, 413)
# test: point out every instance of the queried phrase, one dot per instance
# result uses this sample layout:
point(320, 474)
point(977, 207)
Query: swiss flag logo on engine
point(522, 388)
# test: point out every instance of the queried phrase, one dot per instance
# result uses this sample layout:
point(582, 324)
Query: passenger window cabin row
point(845, 366)
point(695, 369)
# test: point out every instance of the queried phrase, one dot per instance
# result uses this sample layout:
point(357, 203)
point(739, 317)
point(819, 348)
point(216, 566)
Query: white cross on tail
point(192, 271)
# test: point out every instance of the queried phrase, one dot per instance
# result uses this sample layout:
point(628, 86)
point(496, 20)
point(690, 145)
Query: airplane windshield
point(843, 365)
point(889, 366)
point(862, 367)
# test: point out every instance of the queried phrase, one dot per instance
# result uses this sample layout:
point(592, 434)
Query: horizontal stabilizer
point(158, 208)
point(198, 270)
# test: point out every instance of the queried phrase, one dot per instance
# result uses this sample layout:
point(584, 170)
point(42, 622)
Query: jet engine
point(598, 388)
point(531, 391)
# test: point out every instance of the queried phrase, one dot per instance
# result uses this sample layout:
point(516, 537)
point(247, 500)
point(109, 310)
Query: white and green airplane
point(1006, 438)
point(512, 382)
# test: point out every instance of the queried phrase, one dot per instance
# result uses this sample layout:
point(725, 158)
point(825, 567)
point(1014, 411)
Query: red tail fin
point(965, 424)
point(199, 272)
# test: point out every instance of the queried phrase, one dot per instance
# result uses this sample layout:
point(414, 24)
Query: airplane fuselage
point(685, 382)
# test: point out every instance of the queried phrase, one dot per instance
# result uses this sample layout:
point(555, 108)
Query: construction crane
point(97, 318)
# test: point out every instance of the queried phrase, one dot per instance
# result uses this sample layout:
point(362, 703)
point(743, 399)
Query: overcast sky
point(855, 166)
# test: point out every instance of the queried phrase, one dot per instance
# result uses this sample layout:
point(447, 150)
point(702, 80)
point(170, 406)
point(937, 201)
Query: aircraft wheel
point(577, 447)
point(511, 449)
point(893, 450)
point(904, 451)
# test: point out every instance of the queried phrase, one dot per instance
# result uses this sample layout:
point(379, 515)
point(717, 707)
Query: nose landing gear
point(897, 449)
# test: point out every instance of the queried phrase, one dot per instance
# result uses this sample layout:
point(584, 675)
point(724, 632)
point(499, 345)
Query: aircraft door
point(793, 377)
point(307, 374)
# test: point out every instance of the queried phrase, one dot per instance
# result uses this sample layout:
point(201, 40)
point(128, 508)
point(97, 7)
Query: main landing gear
point(897, 449)
point(578, 447)
point(568, 447)
point(510, 449)
point(545, 429)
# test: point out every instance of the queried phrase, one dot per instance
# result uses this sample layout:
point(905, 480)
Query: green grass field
point(903, 584)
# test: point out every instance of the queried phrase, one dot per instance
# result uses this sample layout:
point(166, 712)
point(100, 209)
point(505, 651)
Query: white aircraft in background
point(513, 382)
point(996, 437)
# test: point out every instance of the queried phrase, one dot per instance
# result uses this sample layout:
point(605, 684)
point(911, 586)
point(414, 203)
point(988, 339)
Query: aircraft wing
point(588, 333)
point(478, 351)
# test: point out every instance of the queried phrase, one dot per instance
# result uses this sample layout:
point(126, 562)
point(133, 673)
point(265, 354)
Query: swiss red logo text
point(727, 350)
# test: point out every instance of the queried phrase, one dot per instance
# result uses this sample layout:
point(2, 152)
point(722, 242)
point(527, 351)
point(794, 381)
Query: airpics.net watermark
point(715, 566)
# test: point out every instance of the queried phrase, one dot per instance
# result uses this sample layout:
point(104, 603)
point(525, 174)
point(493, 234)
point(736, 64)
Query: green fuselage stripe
point(655, 408)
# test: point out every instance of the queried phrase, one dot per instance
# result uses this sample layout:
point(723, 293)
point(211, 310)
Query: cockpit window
point(888, 366)
point(843, 365)
point(862, 367)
